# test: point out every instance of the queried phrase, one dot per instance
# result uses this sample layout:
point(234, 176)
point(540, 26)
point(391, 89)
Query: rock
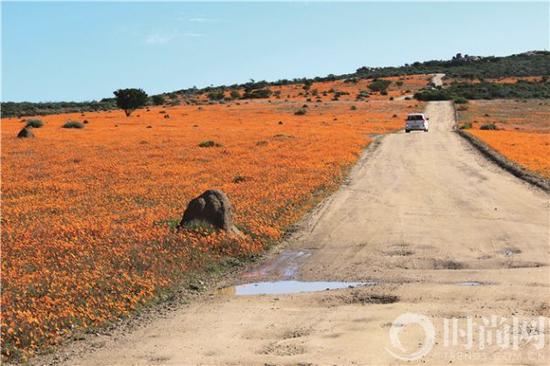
point(25, 133)
point(212, 207)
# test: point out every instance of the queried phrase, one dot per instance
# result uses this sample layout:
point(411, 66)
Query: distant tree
point(130, 99)
point(235, 94)
point(158, 99)
point(379, 85)
point(216, 95)
point(257, 93)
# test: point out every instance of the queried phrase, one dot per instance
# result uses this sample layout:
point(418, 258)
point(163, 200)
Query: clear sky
point(83, 51)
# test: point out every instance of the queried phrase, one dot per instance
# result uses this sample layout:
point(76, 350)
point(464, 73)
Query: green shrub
point(216, 95)
point(379, 85)
point(257, 93)
point(209, 143)
point(34, 123)
point(73, 124)
point(158, 99)
point(200, 226)
point(466, 126)
point(236, 95)
point(488, 126)
point(460, 100)
point(433, 94)
point(239, 179)
point(300, 112)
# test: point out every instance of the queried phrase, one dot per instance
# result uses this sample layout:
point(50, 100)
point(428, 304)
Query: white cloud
point(203, 20)
point(158, 38)
point(191, 34)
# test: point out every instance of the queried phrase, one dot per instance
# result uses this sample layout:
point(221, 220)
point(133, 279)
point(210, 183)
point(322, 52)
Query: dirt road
point(432, 226)
point(437, 79)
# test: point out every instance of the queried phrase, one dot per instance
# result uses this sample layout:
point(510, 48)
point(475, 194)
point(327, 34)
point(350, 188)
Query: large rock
point(25, 133)
point(212, 207)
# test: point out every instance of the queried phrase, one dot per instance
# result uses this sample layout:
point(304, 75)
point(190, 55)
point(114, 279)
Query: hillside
point(535, 63)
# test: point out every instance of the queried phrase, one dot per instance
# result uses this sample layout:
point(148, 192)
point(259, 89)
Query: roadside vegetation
point(517, 129)
point(89, 218)
point(488, 90)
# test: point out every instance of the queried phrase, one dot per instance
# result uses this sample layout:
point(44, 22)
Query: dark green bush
point(460, 100)
point(488, 126)
point(73, 124)
point(216, 95)
point(34, 123)
point(379, 85)
point(433, 94)
point(158, 99)
point(300, 112)
point(466, 126)
point(209, 143)
point(257, 93)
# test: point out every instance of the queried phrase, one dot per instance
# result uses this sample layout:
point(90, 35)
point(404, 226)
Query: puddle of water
point(472, 283)
point(285, 265)
point(294, 287)
point(510, 251)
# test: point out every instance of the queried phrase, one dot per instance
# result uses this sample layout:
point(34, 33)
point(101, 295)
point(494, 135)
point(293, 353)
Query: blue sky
point(83, 51)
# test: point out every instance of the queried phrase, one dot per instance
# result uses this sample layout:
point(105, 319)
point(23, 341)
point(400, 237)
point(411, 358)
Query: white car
point(416, 121)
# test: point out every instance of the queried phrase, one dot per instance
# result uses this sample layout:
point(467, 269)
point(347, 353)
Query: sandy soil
point(421, 214)
point(437, 79)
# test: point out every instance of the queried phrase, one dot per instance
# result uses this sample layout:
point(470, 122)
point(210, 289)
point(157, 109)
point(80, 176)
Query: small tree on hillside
point(379, 85)
point(130, 99)
point(158, 99)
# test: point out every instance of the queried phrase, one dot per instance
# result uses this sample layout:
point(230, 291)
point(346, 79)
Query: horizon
point(166, 47)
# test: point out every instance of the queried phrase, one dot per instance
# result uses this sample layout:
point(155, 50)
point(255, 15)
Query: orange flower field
point(523, 130)
point(89, 214)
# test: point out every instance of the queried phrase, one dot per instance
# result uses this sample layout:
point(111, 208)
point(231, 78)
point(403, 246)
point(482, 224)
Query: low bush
point(300, 112)
point(461, 92)
point(433, 94)
point(239, 179)
point(379, 85)
point(488, 126)
point(215, 95)
point(73, 124)
point(460, 100)
point(34, 123)
point(157, 99)
point(466, 126)
point(209, 143)
point(257, 93)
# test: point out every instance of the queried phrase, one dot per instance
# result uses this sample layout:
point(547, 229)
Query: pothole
point(285, 265)
point(510, 251)
point(292, 287)
point(473, 283)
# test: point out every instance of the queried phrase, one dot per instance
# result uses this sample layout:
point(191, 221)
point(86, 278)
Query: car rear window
point(414, 117)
